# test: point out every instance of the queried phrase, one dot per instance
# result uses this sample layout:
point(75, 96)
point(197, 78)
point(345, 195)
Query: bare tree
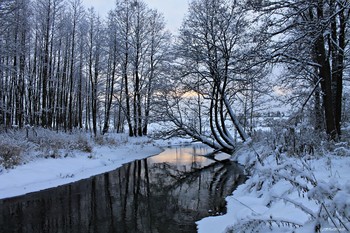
point(208, 53)
point(94, 57)
point(14, 36)
point(112, 46)
point(310, 35)
point(156, 59)
point(123, 11)
point(141, 54)
point(59, 70)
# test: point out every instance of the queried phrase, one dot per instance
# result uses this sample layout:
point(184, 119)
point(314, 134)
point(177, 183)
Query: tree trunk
point(110, 91)
point(339, 69)
point(127, 100)
point(326, 76)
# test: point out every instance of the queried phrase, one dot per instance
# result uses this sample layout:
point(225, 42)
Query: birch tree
point(14, 36)
point(156, 63)
point(60, 68)
point(141, 51)
point(123, 11)
point(94, 66)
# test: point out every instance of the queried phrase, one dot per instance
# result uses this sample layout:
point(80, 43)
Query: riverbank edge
point(44, 173)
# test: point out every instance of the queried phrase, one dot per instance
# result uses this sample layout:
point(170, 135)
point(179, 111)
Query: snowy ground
point(43, 173)
point(288, 195)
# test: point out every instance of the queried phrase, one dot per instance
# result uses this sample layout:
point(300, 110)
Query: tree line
point(63, 67)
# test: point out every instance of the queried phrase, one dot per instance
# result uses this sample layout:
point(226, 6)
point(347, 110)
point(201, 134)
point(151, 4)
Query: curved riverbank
point(167, 192)
point(43, 173)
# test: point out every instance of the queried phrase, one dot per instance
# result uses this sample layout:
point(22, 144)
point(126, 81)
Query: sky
point(173, 10)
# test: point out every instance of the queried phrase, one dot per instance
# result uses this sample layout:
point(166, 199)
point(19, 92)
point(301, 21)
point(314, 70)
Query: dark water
point(162, 194)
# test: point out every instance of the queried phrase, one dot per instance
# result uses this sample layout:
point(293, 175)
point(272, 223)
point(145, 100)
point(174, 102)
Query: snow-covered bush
point(15, 145)
point(12, 147)
point(51, 143)
point(295, 140)
point(82, 143)
point(111, 139)
point(10, 155)
point(281, 180)
point(342, 149)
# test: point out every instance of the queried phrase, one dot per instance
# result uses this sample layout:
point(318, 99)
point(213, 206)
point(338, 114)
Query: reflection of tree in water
point(139, 197)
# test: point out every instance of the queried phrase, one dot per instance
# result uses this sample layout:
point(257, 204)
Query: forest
point(62, 67)
point(238, 73)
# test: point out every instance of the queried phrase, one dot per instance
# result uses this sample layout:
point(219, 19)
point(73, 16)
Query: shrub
point(113, 139)
point(82, 143)
point(296, 140)
point(51, 142)
point(10, 155)
point(14, 144)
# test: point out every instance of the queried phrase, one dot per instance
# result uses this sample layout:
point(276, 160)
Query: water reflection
point(165, 193)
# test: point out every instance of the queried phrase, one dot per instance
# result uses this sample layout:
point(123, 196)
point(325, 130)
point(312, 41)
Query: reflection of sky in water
point(186, 156)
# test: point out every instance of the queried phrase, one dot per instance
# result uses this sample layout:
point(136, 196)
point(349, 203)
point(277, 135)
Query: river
point(166, 193)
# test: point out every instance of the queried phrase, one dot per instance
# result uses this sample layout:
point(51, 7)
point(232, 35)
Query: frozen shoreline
point(47, 173)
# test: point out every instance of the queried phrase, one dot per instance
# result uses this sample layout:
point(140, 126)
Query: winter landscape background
point(266, 82)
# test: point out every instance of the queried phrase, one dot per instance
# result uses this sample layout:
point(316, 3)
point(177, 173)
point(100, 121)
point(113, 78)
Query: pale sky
point(173, 10)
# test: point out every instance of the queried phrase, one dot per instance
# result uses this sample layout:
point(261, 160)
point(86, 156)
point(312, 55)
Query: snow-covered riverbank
point(288, 194)
point(284, 194)
point(42, 173)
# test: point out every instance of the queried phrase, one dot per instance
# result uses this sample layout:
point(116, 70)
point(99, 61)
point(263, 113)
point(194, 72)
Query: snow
point(44, 173)
point(269, 201)
point(282, 194)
